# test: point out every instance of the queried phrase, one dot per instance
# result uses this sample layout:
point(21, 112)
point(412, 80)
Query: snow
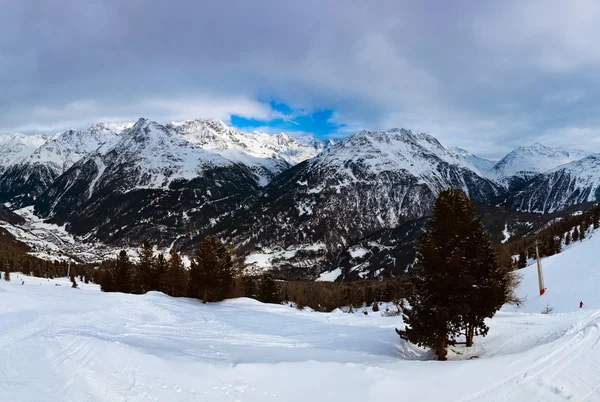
point(506, 234)
point(358, 252)
point(395, 150)
point(67, 344)
point(266, 258)
point(14, 147)
point(569, 277)
point(483, 167)
point(330, 276)
point(66, 148)
point(535, 159)
point(266, 154)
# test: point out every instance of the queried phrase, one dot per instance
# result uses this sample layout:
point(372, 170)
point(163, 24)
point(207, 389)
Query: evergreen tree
point(123, 273)
point(161, 270)
point(225, 272)
point(211, 271)
point(457, 281)
point(248, 287)
point(575, 236)
point(568, 239)
point(582, 231)
point(522, 260)
point(368, 296)
point(174, 280)
point(267, 290)
point(486, 283)
point(106, 281)
point(7, 274)
point(145, 275)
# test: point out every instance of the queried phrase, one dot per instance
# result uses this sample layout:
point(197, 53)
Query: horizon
point(295, 135)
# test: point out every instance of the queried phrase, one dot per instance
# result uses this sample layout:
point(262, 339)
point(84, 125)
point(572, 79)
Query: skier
point(580, 304)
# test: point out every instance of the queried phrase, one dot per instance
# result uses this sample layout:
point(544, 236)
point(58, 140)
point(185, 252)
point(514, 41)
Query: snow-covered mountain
point(15, 146)
point(567, 185)
point(22, 182)
point(266, 154)
point(150, 184)
point(524, 163)
point(367, 182)
point(480, 165)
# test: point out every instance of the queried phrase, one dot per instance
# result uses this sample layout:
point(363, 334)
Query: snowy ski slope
point(63, 344)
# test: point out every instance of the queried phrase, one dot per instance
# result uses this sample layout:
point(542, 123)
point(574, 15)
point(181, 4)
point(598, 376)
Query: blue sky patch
point(317, 122)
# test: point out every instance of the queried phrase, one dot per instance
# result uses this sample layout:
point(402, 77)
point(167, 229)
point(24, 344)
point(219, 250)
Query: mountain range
point(298, 205)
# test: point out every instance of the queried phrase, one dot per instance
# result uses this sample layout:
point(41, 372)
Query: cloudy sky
point(485, 76)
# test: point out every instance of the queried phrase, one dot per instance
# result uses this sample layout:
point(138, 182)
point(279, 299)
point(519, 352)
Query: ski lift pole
point(539, 267)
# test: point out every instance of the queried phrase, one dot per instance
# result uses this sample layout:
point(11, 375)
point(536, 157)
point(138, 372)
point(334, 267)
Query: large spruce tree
point(457, 281)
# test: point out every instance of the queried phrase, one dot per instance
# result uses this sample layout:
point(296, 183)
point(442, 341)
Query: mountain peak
point(112, 127)
point(525, 162)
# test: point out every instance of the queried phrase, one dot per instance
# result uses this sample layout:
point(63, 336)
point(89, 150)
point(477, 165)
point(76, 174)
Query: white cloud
point(82, 113)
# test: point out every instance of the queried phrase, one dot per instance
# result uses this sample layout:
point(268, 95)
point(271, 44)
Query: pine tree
point(522, 260)
point(211, 271)
point(7, 275)
point(248, 287)
point(106, 281)
point(225, 273)
point(174, 279)
point(162, 266)
point(368, 296)
point(457, 281)
point(123, 273)
point(268, 291)
point(145, 275)
point(582, 231)
point(568, 239)
point(487, 282)
point(575, 236)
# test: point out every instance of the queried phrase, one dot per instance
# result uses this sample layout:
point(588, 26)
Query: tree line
point(554, 238)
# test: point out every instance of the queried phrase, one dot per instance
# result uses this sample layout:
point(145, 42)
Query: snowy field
point(63, 344)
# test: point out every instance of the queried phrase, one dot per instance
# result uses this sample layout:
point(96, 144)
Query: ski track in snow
point(63, 344)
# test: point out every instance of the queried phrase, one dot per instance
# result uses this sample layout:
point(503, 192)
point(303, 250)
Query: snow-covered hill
point(14, 147)
point(364, 183)
point(266, 154)
point(524, 163)
point(567, 185)
point(66, 344)
point(569, 277)
point(151, 184)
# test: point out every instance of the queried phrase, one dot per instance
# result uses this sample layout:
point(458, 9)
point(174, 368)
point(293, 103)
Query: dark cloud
point(486, 76)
